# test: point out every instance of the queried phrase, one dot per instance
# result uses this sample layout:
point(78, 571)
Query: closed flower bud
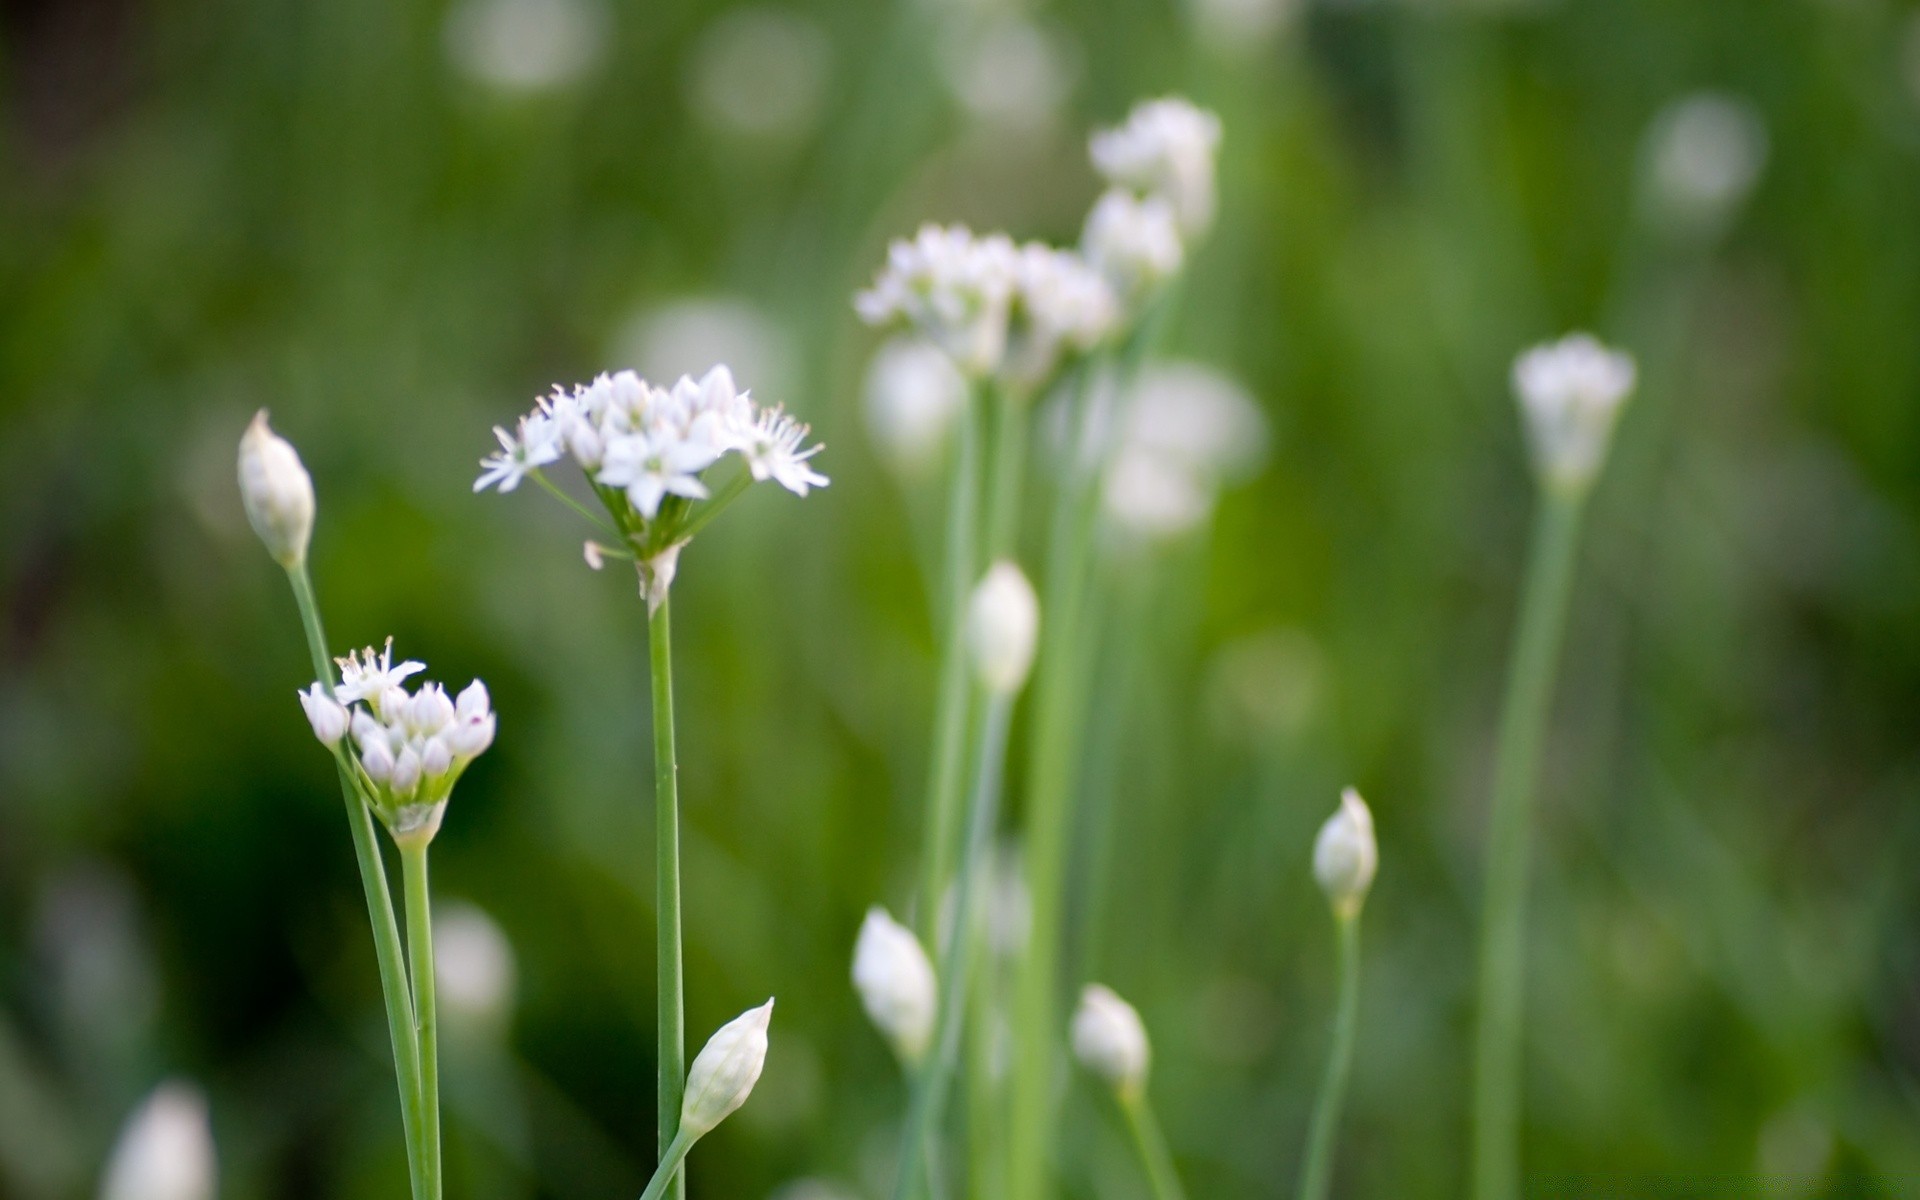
point(1003, 623)
point(277, 492)
point(1110, 1041)
point(473, 701)
point(366, 730)
point(406, 772)
point(436, 759)
point(165, 1150)
point(429, 711)
point(1345, 856)
point(324, 713)
point(896, 983)
point(377, 759)
point(1570, 394)
point(725, 1070)
point(468, 738)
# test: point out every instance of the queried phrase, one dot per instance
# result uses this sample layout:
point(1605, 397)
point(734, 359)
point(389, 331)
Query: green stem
point(413, 863)
point(1152, 1146)
point(936, 1073)
point(373, 882)
point(711, 508)
point(1007, 471)
point(1523, 720)
point(671, 1001)
point(554, 490)
point(946, 778)
point(1316, 1174)
point(669, 1169)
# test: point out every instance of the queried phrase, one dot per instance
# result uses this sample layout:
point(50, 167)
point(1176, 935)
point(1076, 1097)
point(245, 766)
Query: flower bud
point(468, 738)
point(725, 1070)
point(376, 759)
point(324, 713)
point(1570, 394)
point(277, 492)
point(406, 772)
point(165, 1150)
point(429, 711)
point(473, 701)
point(436, 758)
point(1345, 856)
point(1110, 1041)
point(1003, 623)
point(896, 983)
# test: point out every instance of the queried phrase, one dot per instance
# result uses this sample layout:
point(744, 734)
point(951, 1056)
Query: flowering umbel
point(646, 450)
point(1571, 392)
point(407, 748)
point(1165, 148)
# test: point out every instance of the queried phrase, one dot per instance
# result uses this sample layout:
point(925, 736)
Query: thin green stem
point(413, 864)
point(373, 882)
point(669, 1169)
point(1523, 721)
point(946, 778)
point(936, 1073)
point(671, 1001)
point(554, 490)
point(1152, 1147)
point(1007, 471)
point(1316, 1173)
point(728, 493)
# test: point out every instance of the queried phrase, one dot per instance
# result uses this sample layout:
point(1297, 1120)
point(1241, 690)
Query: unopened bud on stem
point(277, 491)
point(895, 980)
point(1345, 856)
point(1110, 1041)
point(1003, 624)
point(725, 1070)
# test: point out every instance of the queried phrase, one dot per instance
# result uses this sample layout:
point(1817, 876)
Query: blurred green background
point(394, 224)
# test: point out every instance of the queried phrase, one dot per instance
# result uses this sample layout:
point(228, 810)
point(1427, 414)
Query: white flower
point(367, 676)
point(1060, 305)
point(771, 446)
point(1185, 431)
point(1134, 241)
point(277, 492)
point(954, 287)
point(895, 980)
point(914, 394)
point(1003, 625)
point(1570, 394)
point(537, 443)
point(1165, 148)
point(165, 1150)
point(325, 714)
point(1345, 856)
point(473, 964)
point(725, 1070)
point(1703, 154)
point(1110, 1040)
point(1153, 496)
point(649, 469)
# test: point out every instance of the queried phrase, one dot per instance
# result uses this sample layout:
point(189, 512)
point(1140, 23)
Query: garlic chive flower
point(725, 1070)
point(165, 1150)
point(1062, 307)
point(407, 748)
point(646, 450)
point(895, 980)
point(1166, 148)
point(1134, 241)
point(1570, 394)
point(1345, 856)
point(1110, 1041)
point(277, 492)
point(1003, 625)
point(1185, 432)
point(913, 396)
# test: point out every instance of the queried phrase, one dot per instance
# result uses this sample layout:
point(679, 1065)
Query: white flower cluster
point(1185, 432)
point(1570, 393)
point(407, 748)
point(647, 443)
point(1166, 148)
point(1014, 313)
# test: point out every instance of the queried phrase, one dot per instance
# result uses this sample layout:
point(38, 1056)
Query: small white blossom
point(1003, 626)
point(534, 445)
point(649, 469)
point(277, 492)
point(1110, 1041)
point(1134, 241)
point(165, 1150)
point(725, 1070)
point(1154, 497)
point(914, 394)
point(1703, 154)
point(1185, 431)
point(771, 446)
point(1165, 148)
point(952, 286)
point(895, 980)
point(1061, 306)
point(1570, 394)
point(1345, 856)
point(325, 714)
point(367, 676)
point(474, 966)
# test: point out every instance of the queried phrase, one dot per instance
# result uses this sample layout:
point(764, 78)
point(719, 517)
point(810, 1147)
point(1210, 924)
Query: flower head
point(1570, 393)
point(725, 1070)
point(1345, 856)
point(1110, 1040)
point(277, 492)
point(952, 286)
point(1061, 306)
point(1134, 241)
point(1003, 625)
point(1166, 148)
point(895, 980)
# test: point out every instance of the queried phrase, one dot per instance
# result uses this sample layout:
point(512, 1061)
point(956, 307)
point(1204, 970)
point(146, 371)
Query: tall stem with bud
point(1345, 859)
point(413, 863)
point(671, 999)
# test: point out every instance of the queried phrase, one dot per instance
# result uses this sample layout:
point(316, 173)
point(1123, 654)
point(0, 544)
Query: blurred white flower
point(1240, 28)
point(1704, 153)
point(1061, 306)
point(725, 1070)
point(525, 45)
point(1003, 626)
point(1165, 148)
point(954, 287)
point(473, 966)
point(1110, 1041)
point(1153, 497)
point(1184, 431)
point(1009, 72)
point(1134, 241)
point(1345, 856)
point(277, 492)
point(895, 980)
point(165, 1150)
point(686, 335)
point(760, 72)
point(1570, 394)
point(914, 394)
